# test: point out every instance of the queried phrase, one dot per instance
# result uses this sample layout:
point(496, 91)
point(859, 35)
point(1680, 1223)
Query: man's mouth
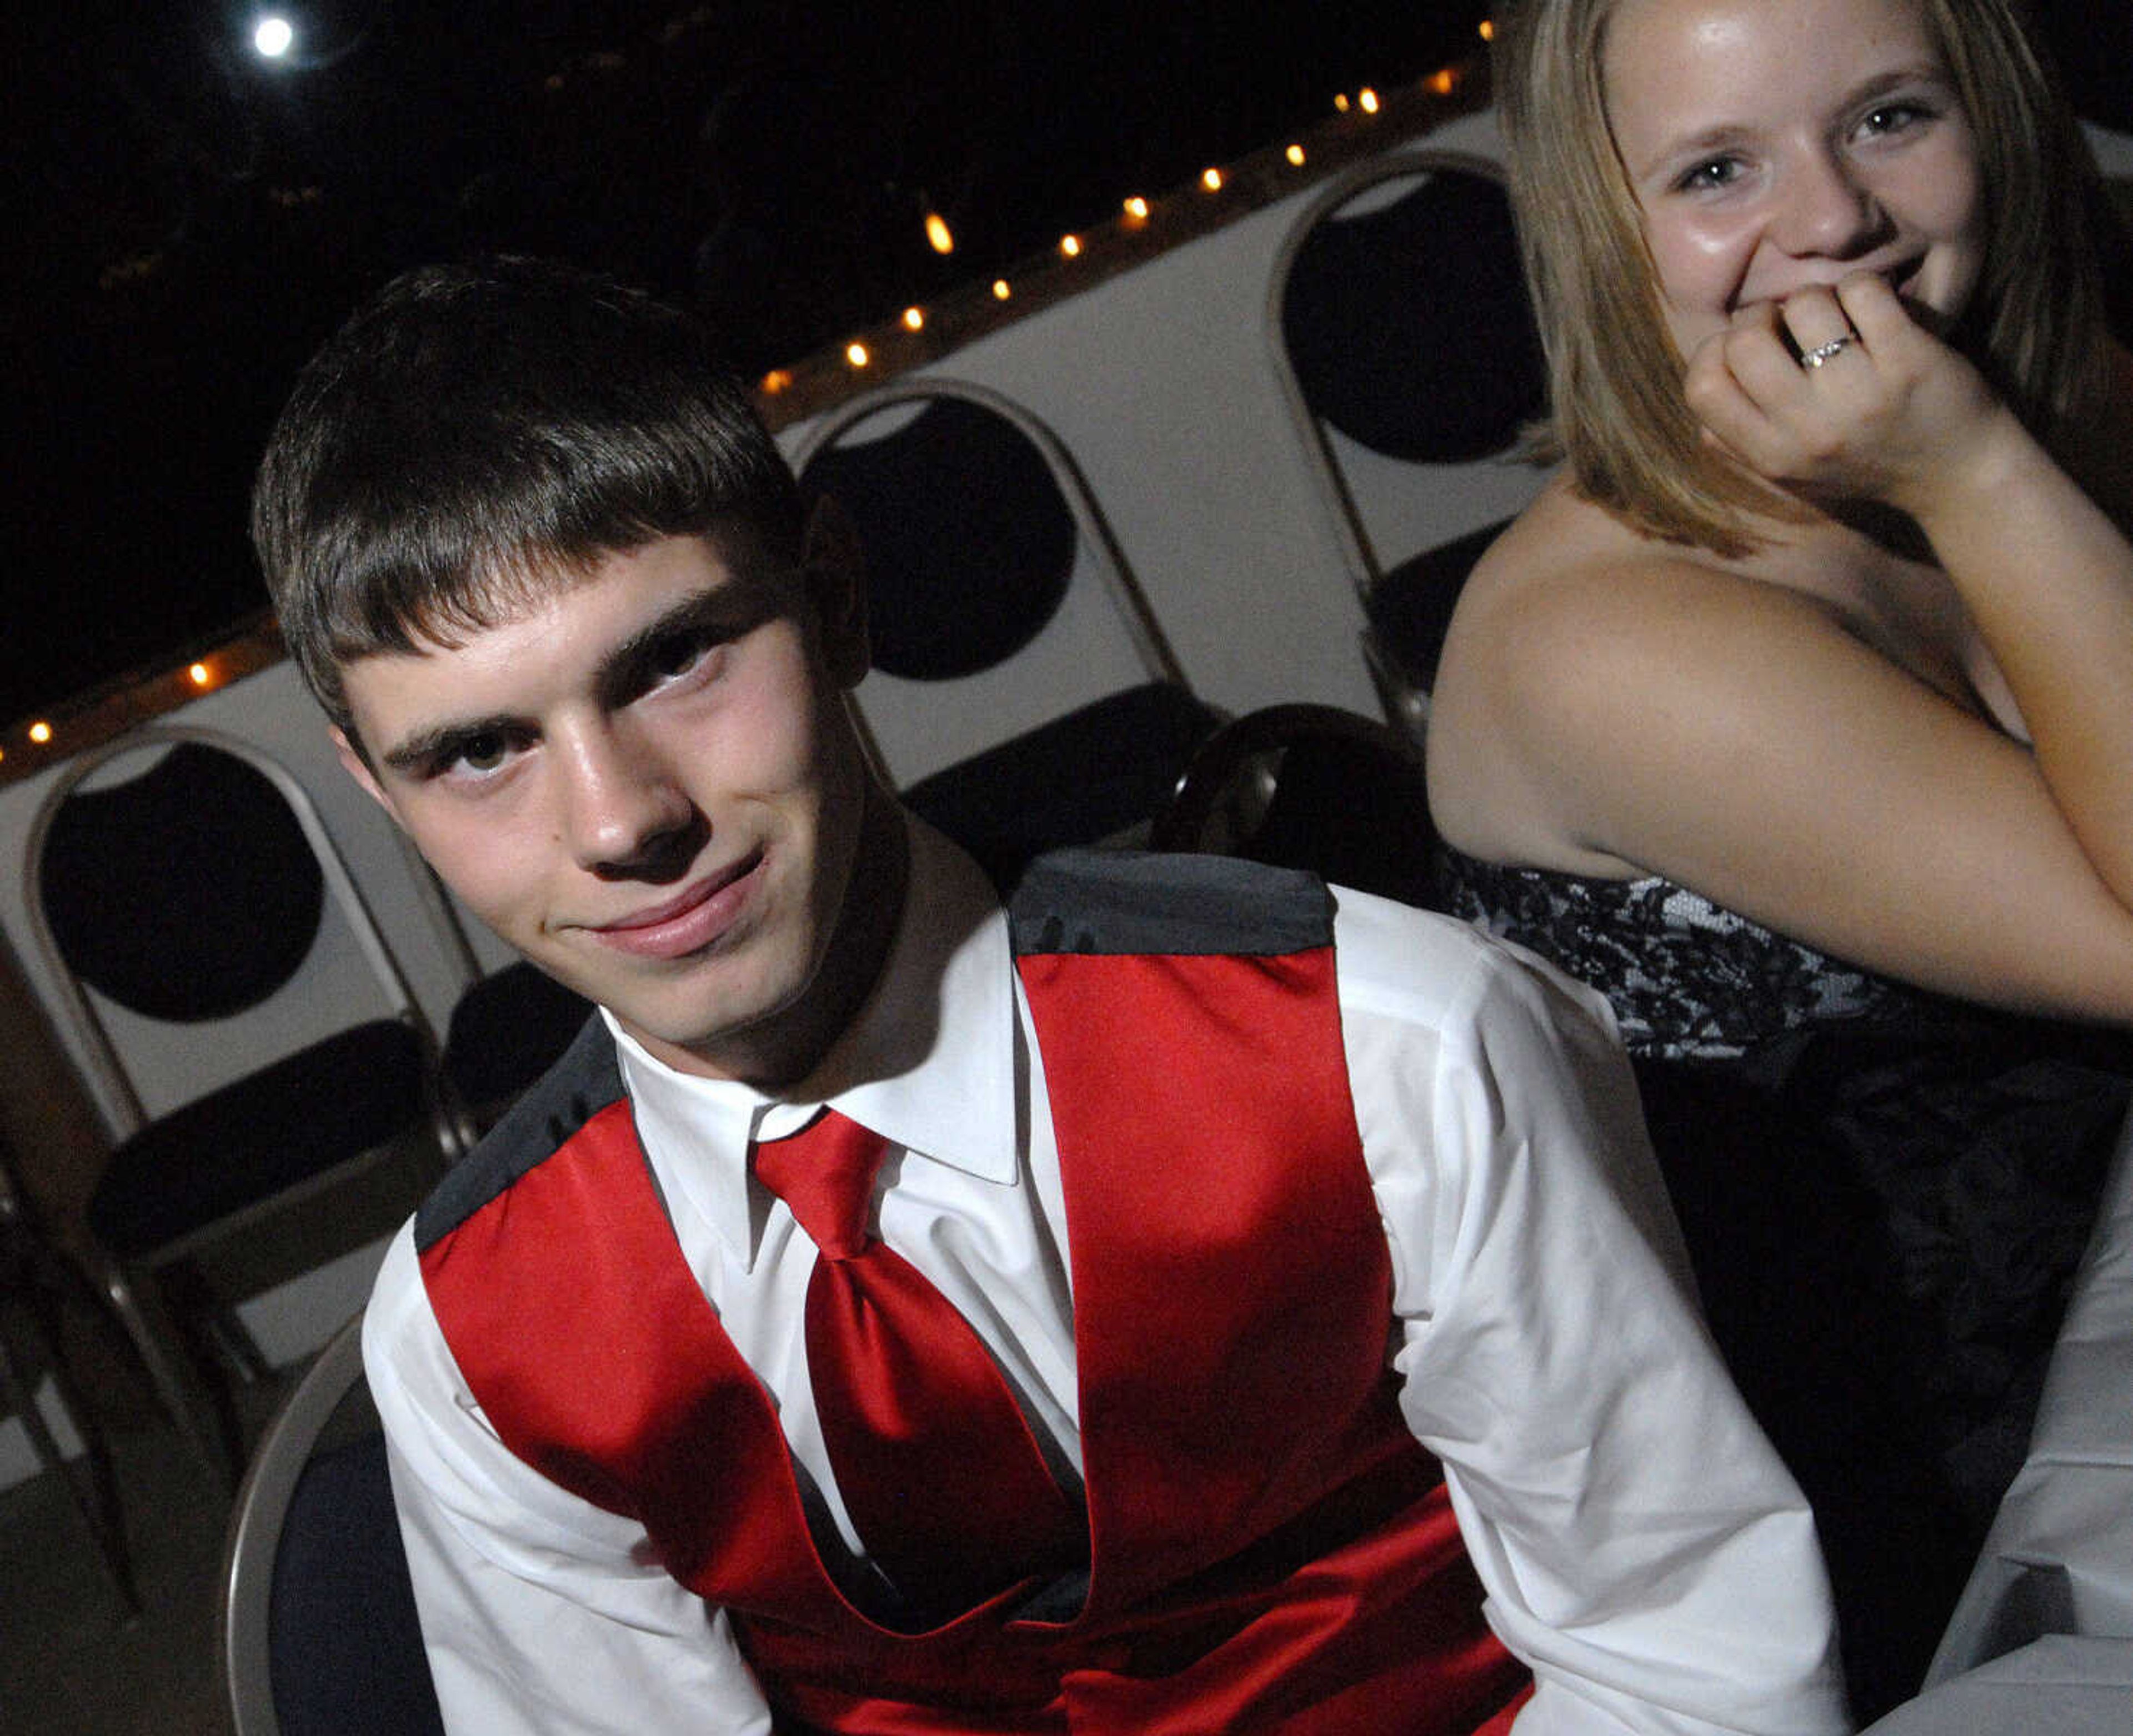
point(697, 917)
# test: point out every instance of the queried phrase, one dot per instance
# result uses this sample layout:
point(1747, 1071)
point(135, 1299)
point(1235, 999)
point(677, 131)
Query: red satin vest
point(1269, 1548)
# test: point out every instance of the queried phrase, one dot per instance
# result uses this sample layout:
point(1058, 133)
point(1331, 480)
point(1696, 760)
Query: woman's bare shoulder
point(1575, 629)
point(1562, 556)
point(1569, 580)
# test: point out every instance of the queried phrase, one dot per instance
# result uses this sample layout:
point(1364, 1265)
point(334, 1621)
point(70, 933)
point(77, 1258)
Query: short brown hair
point(476, 432)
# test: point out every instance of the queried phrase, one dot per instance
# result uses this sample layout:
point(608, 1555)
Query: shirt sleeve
point(1642, 1547)
point(542, 1615)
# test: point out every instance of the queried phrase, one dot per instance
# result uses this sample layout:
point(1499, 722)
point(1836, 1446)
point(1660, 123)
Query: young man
point(1259, 1200)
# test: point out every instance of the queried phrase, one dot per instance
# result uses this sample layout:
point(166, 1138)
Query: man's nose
point(623, 804)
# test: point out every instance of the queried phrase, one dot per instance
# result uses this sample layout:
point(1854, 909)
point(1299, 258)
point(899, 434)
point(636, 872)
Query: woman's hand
point(1892, 414)
point(1841, 392)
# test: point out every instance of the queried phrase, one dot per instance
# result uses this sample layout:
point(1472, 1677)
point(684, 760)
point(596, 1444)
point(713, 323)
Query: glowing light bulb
point(1137, 208)
point(1369, 100)
point(1212, 179)
point(1295, 155)
point(40, 732)
point(914, 318)
point(1488, 30)
point(1000, 290)
point(1444, 81)
point(1340, 102)
point(273, 37)
point(778, 380)
point(199, 674)
point(938, 235)
point(857, 355)
point(1070, 245)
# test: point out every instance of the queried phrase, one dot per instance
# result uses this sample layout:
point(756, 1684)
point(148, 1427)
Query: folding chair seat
point(207, 944)
point(268, 1133)
point(1022, 695)
point(320, 1634)
point(1408, 613)
point(1311, 786)
point(504, 1032)
point(1401, 334)
point(1010, 803)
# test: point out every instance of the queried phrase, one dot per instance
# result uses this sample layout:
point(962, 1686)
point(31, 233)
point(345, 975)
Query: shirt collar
point(929, 1063)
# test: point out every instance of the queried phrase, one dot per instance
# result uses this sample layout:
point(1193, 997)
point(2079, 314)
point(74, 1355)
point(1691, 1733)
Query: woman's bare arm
point(2046, 574)
point(1607, 705)
point(1656, 715)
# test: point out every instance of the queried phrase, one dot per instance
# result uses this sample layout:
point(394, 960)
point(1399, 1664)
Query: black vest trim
point(586, 1078)
point(1108, 902)
point(1104, 902)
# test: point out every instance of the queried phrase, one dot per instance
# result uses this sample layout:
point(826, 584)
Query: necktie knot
point(825, 1174)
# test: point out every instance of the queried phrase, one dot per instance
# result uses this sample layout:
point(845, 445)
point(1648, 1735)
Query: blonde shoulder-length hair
point(1617, 416)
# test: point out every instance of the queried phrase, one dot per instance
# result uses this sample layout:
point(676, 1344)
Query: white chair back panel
point(170, 1065)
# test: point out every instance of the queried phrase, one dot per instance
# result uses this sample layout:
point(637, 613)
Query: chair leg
point(219, 1339)
point(154, 1334)
point(99, 1506)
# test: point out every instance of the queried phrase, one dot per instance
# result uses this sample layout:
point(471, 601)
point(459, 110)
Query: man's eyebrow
point(733, 606)
point(426, 746)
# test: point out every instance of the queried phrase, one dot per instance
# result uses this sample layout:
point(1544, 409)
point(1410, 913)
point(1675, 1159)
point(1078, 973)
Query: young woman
point(1796, 713)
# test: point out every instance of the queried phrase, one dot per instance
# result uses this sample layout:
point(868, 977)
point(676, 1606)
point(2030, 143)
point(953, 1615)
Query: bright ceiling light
point(273, 37)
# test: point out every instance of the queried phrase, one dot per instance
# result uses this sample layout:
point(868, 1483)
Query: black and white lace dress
point(1686, 979)
point(1884, 1192)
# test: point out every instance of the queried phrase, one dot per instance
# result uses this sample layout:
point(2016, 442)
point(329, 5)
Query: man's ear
point(833, 569)
point(358, 768)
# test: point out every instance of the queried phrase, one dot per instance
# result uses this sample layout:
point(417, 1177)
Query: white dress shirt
point(1641, 1546)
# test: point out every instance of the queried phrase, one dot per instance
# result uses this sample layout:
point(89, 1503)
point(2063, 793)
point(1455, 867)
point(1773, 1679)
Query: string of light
point(869, 351)
point(864, 355)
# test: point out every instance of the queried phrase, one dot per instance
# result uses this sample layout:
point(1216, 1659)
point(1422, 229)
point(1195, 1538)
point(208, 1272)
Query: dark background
point(189, 221)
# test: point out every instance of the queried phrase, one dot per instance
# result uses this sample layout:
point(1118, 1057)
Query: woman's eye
point(1894, 117)
point(1718, 171)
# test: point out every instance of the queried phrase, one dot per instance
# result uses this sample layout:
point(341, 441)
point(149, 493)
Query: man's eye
point(678, 654)
point(483, 753)
point(689, 655)
point(476, 756)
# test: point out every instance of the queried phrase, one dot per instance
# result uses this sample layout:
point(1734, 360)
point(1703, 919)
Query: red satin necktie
point(938, 1469)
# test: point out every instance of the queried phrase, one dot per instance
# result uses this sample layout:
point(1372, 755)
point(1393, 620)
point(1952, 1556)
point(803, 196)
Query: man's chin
point(745, 1033)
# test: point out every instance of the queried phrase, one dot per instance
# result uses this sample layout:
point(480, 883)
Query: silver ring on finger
point(1822, 353)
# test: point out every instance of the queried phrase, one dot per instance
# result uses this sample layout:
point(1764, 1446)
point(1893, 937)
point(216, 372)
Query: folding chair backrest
point(1401, 332)
point(998, 599)
point(196, 918)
